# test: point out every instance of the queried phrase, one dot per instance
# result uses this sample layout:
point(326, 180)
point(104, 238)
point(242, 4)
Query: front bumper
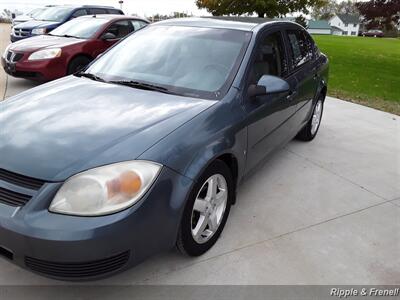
point(40, 70)
point(86, 248)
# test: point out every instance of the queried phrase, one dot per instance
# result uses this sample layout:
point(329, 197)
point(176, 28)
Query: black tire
point(306, 134)
point(186, 242)
point(77, 64)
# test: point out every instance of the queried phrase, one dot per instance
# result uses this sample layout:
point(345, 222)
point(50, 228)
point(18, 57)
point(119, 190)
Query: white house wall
point(350, 29)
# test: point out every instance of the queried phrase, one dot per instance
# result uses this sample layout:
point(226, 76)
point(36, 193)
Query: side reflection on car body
point(144, 149)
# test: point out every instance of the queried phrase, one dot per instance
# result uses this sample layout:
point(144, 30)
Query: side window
point(311, 47)
point(300, 46)
point(137, 24)
point(79, 13)
point(97, 11)
point(120, 29)
point(115, 12)
point(270, 58)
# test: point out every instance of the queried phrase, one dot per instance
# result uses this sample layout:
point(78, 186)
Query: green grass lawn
point(364, 70)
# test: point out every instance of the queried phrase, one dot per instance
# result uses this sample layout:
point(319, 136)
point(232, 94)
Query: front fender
point(192, 147)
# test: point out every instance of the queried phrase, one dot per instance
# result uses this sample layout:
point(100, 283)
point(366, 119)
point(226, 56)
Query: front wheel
point(207, 210)
point(77, 64)
point(309, 132)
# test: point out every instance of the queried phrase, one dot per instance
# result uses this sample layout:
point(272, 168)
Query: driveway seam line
point(268, 240)
point(338, 175)
point(395, 204)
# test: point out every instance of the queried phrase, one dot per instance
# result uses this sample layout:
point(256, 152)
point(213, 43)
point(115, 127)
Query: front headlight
point(105, 190)
point(38, 31)
point(45, 54)
point(5, 51)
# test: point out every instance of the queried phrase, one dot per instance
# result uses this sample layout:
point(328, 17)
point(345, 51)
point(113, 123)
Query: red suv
point(68, 48)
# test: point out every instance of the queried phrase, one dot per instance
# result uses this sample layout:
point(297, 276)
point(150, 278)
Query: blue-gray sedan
point(144, 149)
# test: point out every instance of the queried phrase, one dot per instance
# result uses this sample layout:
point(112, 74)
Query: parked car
point(29, 16)
point(373, 33)
point(145, 148)
point(68, 48)
point(55, 16)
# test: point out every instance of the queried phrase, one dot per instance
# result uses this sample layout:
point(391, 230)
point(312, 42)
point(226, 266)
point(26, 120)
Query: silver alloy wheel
point(209, 208)
point(316, 118)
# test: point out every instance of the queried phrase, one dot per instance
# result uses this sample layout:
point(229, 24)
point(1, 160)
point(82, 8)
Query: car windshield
point(35, 12)
point(54, 14)
point(196, 62)
point(83, 28)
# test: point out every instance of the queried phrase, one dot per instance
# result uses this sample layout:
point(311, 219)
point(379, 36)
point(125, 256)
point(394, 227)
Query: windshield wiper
point(66, 36)
point(90, 76)
point(143, 86)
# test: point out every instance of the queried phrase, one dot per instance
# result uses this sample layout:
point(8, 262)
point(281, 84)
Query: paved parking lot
point(325, 212)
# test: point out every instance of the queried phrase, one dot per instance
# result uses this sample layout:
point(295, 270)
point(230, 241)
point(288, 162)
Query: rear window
point(301, 47)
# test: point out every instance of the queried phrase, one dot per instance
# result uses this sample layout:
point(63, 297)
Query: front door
point(268, 117)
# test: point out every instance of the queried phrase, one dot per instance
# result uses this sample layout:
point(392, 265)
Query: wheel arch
point(229, 158)
point(80, 54)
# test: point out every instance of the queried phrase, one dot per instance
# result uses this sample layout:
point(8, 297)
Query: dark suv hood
point(36, 23)
point(58, 129)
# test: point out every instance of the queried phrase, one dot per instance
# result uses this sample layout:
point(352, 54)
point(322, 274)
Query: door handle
point(291, 95)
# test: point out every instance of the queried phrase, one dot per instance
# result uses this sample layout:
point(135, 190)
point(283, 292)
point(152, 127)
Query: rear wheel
point(77, 64)
point(309, 131)
point(207, 210)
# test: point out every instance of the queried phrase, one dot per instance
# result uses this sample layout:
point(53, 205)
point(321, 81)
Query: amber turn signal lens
point(128, 183)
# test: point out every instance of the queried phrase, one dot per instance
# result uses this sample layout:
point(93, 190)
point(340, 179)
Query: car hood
point(43, 41)
point(73, 124)
point(22, 18)
point(36, 23)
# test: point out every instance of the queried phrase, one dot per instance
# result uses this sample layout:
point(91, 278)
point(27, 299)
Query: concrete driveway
point(325, 212)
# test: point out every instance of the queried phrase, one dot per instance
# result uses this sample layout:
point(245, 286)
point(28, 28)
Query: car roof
point(114, 17)
point(85, 6)
point(236, 23)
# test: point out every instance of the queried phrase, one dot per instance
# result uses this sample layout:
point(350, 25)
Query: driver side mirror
point(268, 85)
point(108, 36)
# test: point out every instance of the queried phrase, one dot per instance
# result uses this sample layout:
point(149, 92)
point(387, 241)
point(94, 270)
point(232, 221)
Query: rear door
point(268, 117)
point(303, 66)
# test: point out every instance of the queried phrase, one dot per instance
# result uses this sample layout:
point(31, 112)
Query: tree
point(263, 8)
point(383, 14)
point(325, 11)
point(301, 20)
point(347, 7)
point(330, 7)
